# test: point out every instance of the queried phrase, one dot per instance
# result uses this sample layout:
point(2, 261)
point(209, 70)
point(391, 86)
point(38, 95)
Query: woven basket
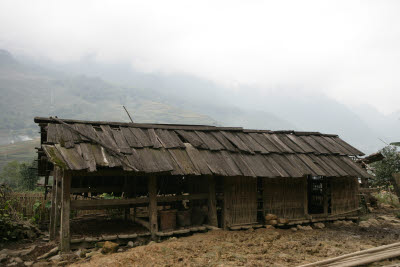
point(167, 220)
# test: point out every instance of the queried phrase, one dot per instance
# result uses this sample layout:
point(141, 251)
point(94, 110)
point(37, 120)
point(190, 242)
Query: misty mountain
point(388, 127)
point(242, 106)
point(161, 97)
point(28, 90)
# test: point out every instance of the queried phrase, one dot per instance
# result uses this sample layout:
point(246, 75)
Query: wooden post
point(57, 205)
point(127, 211)
point(305, 196)
point(52, 229)
point(212, 203)
point(152, 187)
point(65, 212)
point(227, 207)
point(325, 192)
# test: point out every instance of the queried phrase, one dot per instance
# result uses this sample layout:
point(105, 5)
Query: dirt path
point(261, 247)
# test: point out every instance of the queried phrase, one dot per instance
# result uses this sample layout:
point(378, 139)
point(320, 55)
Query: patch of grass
point(386, 197)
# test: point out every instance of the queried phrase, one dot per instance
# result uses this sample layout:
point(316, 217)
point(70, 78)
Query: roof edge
point(180, 127)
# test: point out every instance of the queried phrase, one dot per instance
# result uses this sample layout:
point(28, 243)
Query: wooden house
point(235, 175)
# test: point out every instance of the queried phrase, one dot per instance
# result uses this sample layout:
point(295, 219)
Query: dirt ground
point(260, 247)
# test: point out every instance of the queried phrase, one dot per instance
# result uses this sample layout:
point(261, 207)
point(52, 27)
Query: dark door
point(318, 195)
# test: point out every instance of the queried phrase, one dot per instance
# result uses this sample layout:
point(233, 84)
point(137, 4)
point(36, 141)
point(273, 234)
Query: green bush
point(387, 197)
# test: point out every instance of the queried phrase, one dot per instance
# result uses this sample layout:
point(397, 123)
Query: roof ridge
point(194, 127)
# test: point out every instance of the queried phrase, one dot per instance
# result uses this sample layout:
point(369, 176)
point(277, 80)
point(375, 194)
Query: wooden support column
point(325, 192)
point(65, 212)
point(52, 229)
point(127, 211)
point(152, 187)
point(226, 212)
point(305, 196)
point(212, 203)
point(57, 202)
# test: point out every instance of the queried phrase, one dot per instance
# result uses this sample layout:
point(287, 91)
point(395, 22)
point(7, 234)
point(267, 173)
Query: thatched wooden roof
point(195, 150)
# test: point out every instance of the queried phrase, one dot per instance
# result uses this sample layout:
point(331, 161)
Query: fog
point(347, 50)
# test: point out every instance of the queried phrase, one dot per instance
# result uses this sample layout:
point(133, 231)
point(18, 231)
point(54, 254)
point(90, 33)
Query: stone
point(3, 257)
point(109, 247)
point(270, 217)
point(283, 221)
point(56, 258)
point(81, 253)
point(304, 228)
point(92, 253)
point(272, 222)
point(269, 227)
point(294, 229)
point(13, 264)
point(28, 263)
point(52, 252)
point(364, 224)
point(130, 244)
point(319, 225)
point(109, 237)
point(16, 259)
point(120, 250)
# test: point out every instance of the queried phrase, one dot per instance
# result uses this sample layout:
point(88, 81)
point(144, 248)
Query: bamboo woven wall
point(344, 195)
point(240, 200)
point(285, 197)
point(24, 203)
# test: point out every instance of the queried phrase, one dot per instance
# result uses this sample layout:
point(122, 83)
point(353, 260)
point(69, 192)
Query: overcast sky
point(349, 50)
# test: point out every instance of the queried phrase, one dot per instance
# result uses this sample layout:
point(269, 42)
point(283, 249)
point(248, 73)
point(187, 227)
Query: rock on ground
point(305, 228)
point(319, 225)
point(270, 217)
point(109, 247)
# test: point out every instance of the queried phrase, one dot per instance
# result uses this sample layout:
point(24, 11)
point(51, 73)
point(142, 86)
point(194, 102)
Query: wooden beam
point(152, 187)
point(212, 203)
point(226, 214)
point(65, 213)
point(143, 223)
point(325, 193)
point(144, 125)
point(131, 202)
point(102, 189)
point(52, 229)
point(56, 175)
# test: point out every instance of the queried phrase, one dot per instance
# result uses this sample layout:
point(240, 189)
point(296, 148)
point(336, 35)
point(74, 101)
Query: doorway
point(319, 195)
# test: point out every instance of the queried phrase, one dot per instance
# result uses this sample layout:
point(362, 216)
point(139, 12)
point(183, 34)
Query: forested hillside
point(28, 91)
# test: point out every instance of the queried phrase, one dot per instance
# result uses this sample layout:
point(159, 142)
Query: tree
point(11, 174)
point(29, 176)
point(385, 168)
point(20, 176)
